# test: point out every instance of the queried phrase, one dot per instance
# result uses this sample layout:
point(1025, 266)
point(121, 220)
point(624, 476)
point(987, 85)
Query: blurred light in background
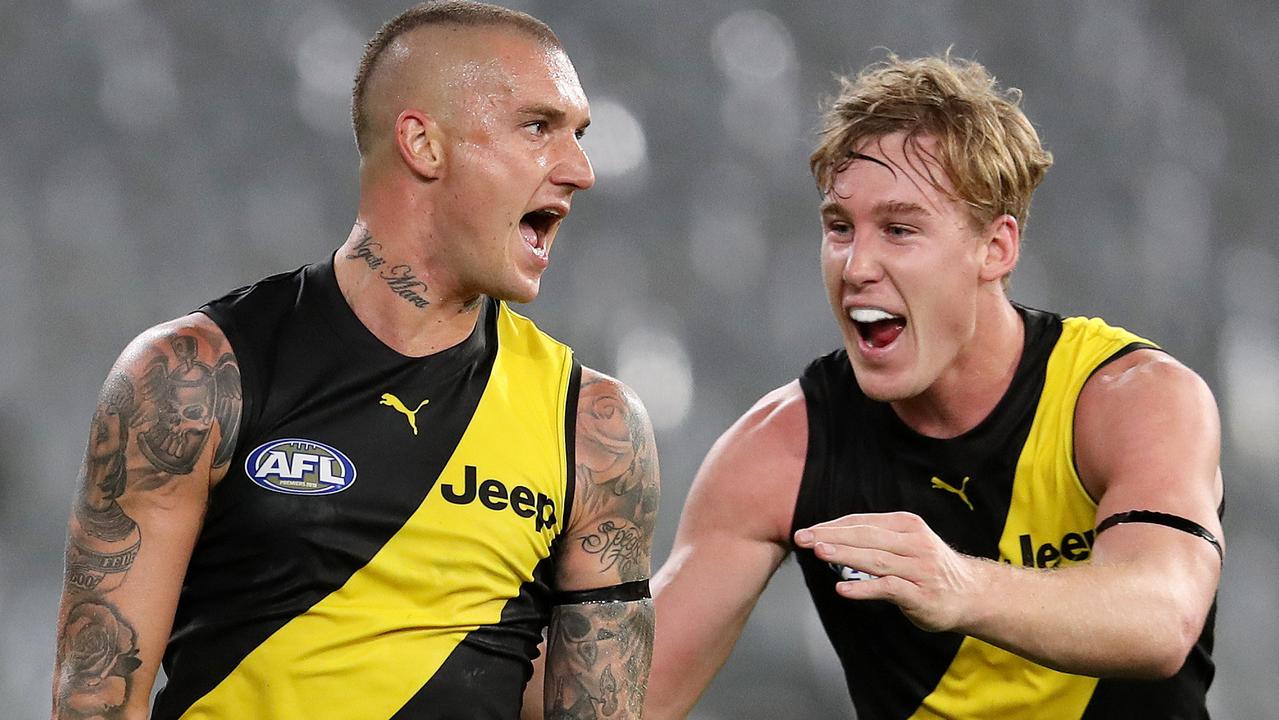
point(655, 364)
point(137, 90)
point(328, 50)
point(754, 50)
point(616, 145)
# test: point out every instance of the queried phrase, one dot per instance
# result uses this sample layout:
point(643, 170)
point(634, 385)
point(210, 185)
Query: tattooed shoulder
point(617, 477)
point(185, 390)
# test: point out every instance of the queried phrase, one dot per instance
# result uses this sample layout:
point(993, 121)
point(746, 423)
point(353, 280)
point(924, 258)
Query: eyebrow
point(550, 112)
point(831, 207)
point(888, 207)
point(900, 207)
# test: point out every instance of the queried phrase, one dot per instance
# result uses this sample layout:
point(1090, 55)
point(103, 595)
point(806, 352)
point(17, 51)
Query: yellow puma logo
point(394, 402)
point(942, 485)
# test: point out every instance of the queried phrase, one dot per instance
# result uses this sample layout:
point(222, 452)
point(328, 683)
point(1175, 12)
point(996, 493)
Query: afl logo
point(300, 467)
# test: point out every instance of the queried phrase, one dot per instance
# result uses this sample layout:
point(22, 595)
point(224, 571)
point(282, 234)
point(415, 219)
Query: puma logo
point(391, 401)
point(963, 485)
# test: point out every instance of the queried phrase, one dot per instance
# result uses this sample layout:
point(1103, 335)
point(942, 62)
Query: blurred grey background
point(154, 155)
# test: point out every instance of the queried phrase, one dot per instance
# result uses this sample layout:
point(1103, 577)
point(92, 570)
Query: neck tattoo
point(400, 278)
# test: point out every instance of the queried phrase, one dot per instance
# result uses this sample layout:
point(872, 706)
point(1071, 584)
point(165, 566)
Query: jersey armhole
point(249, 375)
point(570, 443)
point(814, 459)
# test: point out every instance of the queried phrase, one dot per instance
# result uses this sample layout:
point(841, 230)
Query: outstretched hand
point(935, 586)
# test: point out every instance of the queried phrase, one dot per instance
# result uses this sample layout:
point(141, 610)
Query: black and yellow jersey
point(380, 546)
point(1009, 490)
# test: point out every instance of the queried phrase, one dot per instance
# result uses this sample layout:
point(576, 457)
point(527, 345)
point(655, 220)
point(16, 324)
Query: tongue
point(883, 332)
point(529, 234)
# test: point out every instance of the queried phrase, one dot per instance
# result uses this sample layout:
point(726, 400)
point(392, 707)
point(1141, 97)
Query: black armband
point(1176, 522)
point(624, 592)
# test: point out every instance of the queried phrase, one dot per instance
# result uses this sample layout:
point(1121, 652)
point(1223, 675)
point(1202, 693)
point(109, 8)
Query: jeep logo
point(494, 495)
point(1073, 546)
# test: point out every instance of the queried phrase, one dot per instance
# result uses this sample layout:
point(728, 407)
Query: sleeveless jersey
point(380, 546)
point(1009, 490)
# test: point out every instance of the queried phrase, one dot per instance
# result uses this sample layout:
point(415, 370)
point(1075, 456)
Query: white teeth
point(870, 315)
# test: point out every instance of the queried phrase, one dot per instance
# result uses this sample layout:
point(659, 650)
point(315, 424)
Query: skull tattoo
point(186, 400)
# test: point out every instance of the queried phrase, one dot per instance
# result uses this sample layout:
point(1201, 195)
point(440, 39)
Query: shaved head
point(424, 54)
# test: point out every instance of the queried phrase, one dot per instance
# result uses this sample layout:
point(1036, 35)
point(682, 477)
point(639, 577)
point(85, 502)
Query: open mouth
point(877, 328)
point(536, 226)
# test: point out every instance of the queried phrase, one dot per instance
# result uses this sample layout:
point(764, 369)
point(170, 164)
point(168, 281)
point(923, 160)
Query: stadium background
point(154, 155)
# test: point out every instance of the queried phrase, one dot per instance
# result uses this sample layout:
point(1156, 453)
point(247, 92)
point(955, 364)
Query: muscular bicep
point(1148, 438)
point(733, 533)
point(610, 535)
point(163, 413)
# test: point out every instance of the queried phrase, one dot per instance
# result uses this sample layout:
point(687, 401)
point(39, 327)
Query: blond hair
point(988, 149)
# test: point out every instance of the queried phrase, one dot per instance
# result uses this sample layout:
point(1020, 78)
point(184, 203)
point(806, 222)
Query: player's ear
point(419, 140)
point(1001, 242)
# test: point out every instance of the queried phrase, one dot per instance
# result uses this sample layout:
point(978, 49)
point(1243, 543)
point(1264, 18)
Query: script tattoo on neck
point(400, 278)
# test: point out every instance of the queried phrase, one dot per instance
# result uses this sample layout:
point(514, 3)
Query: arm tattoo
point(183, 404)
point(617, 546)
point(166, 417)
point(598, 659)
point(107, 540)
point(599, 654)
point(616, 477)
point(97, 655)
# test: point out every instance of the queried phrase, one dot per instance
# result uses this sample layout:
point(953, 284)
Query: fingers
point(872, 560)
point(894, 535)
point(881, 544)
point(895, 521)
point(891, 588)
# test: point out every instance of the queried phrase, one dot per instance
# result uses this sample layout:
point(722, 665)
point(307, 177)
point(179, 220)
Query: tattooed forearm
point(97, 655)
point(598, 658)
point(400, 278)
point(618, 546)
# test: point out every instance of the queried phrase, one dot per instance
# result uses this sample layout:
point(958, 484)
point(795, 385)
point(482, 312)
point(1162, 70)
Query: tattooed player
point(364, 488)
